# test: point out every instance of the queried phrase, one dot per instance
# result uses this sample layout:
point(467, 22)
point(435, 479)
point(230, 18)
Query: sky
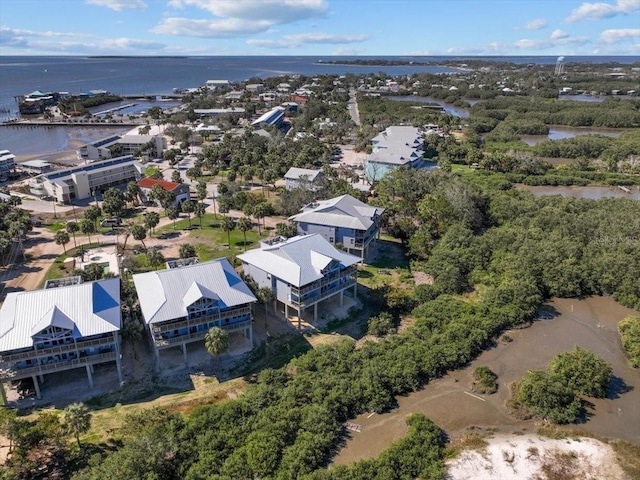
point(319, 27)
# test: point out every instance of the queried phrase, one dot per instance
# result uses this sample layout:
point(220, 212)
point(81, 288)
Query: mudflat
point(589, 323)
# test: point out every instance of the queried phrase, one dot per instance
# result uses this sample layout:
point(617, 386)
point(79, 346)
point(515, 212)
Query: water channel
point(589, 323)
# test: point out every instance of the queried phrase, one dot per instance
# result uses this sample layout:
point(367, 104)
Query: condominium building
point(396, 146)
point(302, 272)
point(181, 304)
point(116, 146)
point(81, 182)
point(59, 329)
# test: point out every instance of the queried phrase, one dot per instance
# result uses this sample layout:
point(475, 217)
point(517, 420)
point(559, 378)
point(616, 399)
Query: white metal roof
point(88, 309)
point(165, 294)
point(298, 260)
point(344, 211)
point(296, 173)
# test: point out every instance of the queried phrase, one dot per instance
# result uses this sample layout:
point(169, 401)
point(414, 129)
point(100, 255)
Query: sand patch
point(530, 457)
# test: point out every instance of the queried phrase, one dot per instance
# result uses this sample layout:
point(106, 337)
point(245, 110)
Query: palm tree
point(139, 233)
point(187, 250)
point(62, 238)
point(151, 221)
point(228, 225)
point(72, 228)
point(244, 225)
point(173, 214)
point(199, 212)
point(188, 208)
point(78, 419)
point(155, 258)
point(216, 342)
point(88, 227)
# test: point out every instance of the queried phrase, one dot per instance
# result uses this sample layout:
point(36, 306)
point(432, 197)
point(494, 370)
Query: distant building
point(7, 163)
point(255, 88)
point(216, 112)
point(302, 271)
point(274, 117)
point(342, 220)
point(81, 182)
point(395, 147)
point(179, 190)
point(218, 84)
point(117, 146)
point(59, 329)
point(180, 305)
point(303, 178)
point(35, 167)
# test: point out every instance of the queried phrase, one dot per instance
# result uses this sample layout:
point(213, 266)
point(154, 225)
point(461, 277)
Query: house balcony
point(52, 351)
point(161, 340)
point(347, 272)
point(323, 295)
point(56, 366)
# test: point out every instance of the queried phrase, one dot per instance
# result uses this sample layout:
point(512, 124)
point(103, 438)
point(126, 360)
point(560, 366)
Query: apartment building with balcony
point(302, 272)
point(396, 146)
point(150, 146)
point(82, 182)
point(181, 304)
point(59, 329)
point(341, 220)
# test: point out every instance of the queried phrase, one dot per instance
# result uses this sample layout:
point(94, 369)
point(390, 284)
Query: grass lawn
point(211, 241)
point(57, 270)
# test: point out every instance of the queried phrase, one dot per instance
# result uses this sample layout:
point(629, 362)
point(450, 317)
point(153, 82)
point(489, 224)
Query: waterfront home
point(181, 304)
point(342, 220)
point(7, 163)
point(35, 167)
point(84, 181)
point(396, 146)
point(180, 191)
point(59, 329)
point(116, 146)
point(303, 178)
point(302, 272)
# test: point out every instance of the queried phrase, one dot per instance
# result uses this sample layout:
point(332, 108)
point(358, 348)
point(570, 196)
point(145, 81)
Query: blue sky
point(319, 27)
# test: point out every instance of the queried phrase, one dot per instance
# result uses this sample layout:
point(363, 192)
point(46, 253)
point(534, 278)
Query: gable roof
point(298, 260)
point(295, 173)
point(344, 211)
point(87, 309)
point(150, 182)
point(165, 294)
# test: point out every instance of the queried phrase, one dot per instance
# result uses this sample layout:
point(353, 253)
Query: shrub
point(381, 325)
point(629, 329)
point(484, 380)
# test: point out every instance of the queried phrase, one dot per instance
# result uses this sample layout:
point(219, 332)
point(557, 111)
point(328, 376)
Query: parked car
point(111, 222)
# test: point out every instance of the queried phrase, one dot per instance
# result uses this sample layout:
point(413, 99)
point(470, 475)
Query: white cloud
point(119, 5)
point(233, 27)
point(537, 24)
point(275, 11)
point(620, 35)
point(597, 11)
point(288, 41)
point(129, 44)
point(558, 34)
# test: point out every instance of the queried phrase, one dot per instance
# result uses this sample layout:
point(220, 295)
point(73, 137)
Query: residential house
point(342, 220)
point(218, 84)
point(179, 190)
point(396, 146)
point(216, 112)
point(59, 329)
point(181, 304)
point(82, 182)
point(255, 88)
point(303, 178)
point(302, 272)
point(7, 163)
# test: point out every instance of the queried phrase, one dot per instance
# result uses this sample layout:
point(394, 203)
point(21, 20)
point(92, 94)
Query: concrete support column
point(299, 318)
point(355, 290)
point(184, 354)
point(286, 311)
point(36, 385)
point(89, 368)
point(248, 333)
point(315, 312)
point(119, 368)
point(92, 369)
point(3, 394)
point(41, 378)
point(341, 298)
point(157, 359)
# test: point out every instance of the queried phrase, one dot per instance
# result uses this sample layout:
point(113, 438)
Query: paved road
point(353, 107)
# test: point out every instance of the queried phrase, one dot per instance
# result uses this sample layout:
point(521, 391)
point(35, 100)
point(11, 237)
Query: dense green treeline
point(612, 112)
